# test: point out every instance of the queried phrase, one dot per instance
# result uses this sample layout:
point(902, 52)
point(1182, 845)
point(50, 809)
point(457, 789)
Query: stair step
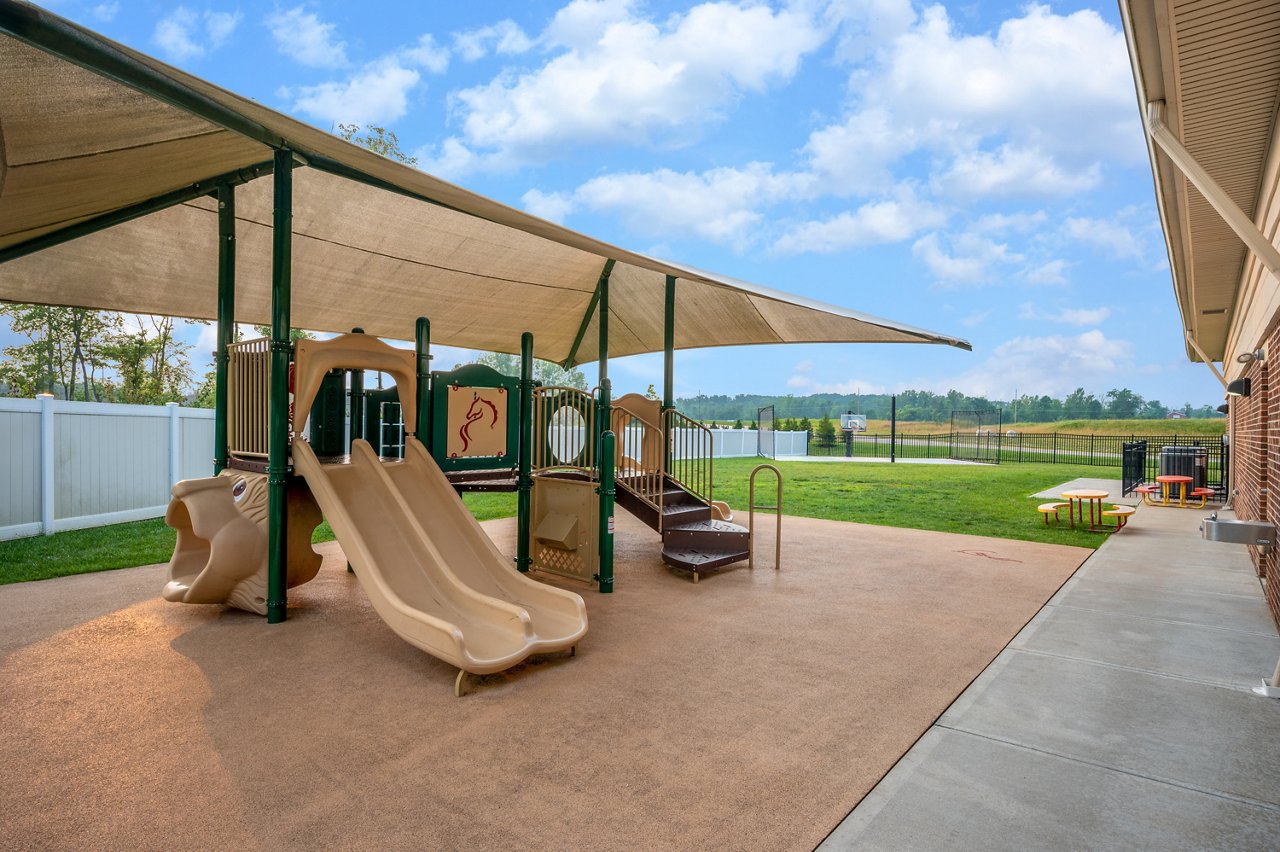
point(701, 560)
point(706, 534)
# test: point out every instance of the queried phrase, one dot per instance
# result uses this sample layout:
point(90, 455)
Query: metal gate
point(764, 432)
point(1133, 466)
point(977, 435)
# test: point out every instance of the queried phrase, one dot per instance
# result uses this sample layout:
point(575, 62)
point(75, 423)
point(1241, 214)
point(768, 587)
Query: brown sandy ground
point(750, 711)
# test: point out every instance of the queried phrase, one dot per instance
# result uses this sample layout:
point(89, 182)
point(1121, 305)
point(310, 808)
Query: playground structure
point(100, 220)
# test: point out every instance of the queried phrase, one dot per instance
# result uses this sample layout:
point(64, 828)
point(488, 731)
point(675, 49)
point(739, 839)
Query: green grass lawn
point(987, 500)
point(980, 500)
point(146, 543)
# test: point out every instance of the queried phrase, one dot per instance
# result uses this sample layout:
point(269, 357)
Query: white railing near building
point(71, 465)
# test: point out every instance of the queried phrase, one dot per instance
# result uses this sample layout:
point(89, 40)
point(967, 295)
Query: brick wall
point(1255, 465)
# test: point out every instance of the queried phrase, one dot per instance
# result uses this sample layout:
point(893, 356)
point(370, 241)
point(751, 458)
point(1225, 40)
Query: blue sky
point(974, 168)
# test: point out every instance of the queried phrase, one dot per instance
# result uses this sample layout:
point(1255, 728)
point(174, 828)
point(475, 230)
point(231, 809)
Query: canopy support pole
point(422, 341)
point(669, 346)
point(668, 363)
point(586, 317)
point(524, 481)
point(226, 319)
point(278, 422)
point(602, 323)
point(1235, 218)
point(605, 437)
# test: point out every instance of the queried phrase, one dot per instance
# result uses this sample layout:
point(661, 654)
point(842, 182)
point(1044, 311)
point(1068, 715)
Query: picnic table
point(1079, 497)
point(1170, 479)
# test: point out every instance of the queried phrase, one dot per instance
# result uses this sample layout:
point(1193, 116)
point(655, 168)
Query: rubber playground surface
point(750, 711)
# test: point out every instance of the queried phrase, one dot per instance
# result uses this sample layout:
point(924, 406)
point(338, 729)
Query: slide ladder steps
point(692, 539)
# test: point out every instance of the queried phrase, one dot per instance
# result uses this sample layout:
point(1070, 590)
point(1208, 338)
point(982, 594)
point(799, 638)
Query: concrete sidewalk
point(1120, 717)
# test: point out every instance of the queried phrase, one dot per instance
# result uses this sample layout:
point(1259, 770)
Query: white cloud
point(624, 78)
point(307, 40)
point(888, 221)
point(1004, 223)
point(1053, 365)
point(377, 92)
point(1004, 113)
point(976, 318)
point(552, 206)
point(968, 259)
point(187, 34)
point(106, 12)
point(1110, 235)
point(1051, 272)
point(1069, 316)
point(504, 37)
point(851, 386)
point(719, 205)
point(1014, 172)
point(804, 367)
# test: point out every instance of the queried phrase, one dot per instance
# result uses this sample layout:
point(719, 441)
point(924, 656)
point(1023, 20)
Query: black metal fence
point(1044, 448)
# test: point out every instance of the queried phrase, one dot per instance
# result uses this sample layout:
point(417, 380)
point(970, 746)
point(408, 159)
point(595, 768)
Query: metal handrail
point(690, 454)
point(640, 463)
point(751, 517)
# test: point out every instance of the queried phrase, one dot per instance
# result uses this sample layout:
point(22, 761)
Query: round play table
point(1172, 479)
point(1079, 497)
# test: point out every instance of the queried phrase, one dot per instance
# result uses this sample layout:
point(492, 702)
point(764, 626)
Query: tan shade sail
point(89, 128)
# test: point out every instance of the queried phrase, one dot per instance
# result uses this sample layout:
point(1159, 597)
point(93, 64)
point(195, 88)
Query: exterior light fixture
point(1240, 387)
point(1224, 408)
point(1255, 355)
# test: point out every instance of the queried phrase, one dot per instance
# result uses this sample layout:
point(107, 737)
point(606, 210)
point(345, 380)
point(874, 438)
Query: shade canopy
point(93, 134)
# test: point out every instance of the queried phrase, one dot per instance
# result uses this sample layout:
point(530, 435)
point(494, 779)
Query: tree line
point(1118, 404)
point(98, 356)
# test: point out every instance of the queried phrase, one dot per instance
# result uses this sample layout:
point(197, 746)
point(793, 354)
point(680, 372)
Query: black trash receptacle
point(1185, 461)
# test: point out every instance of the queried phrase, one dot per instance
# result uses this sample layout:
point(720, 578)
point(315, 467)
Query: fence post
point(175, 443)
point(1055, 447)
point(46, 463)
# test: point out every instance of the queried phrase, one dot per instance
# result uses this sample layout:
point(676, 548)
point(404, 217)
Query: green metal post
point(669, 346)
point(356, 427)
point(422, 341)
point(357, 400)
point(278, 418)
point(226, 319)
point(605, 409)
point(668, 364)
point(524, 484)
point(607, 449)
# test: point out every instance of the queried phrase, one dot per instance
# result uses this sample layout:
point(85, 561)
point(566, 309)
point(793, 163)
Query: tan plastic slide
point(429, 569)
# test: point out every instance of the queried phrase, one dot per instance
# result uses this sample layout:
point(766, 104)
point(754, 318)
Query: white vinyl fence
point(70, 465)
point(736, 443)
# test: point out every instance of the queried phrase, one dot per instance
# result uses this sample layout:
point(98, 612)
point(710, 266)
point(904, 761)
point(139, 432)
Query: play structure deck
point(393, 500)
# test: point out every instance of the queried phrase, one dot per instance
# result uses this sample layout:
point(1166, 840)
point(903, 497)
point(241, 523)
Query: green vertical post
point(356, 428)
point(278, 411)
point(669, 346)
point(668, 365)
point(524, 482)
point(357, 400)
point(607, 449)
point(422, 347)
point(226, 319)
point(602, 320)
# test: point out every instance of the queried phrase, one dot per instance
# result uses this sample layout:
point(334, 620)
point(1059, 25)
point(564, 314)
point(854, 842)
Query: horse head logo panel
point(477, 422)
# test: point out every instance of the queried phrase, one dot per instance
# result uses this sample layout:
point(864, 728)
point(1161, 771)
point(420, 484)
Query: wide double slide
point(428, 567)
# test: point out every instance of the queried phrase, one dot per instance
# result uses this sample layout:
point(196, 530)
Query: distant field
point(1079, 427)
